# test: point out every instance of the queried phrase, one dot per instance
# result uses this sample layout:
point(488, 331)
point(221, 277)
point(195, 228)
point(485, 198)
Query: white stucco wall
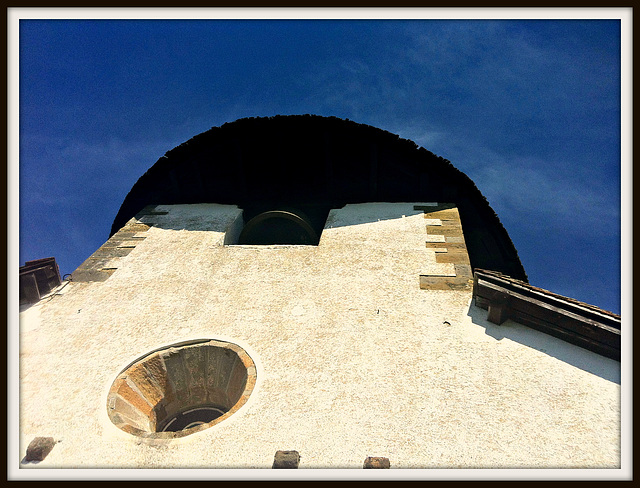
point(353, 359)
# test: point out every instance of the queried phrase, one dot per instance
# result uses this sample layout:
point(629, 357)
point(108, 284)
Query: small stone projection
point(376, 463)
point(286, 460)
point(39, 448)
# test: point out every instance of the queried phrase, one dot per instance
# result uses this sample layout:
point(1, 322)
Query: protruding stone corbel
point(286, 460)
point(39, 448)
point(376, 463)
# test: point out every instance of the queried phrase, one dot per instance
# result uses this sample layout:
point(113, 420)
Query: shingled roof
point(323, 161)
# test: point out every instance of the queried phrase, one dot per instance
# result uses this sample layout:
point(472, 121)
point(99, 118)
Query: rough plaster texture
point(353, 359)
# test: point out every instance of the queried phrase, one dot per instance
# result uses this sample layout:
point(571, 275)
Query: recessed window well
point(181, 389)
point(278, 227)
point(275, 224)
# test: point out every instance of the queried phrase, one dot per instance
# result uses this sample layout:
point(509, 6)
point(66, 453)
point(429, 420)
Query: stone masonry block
point(377, 463)
point(134, 398)
point(436, 222)
point(123, 235)
point(158, 374)
point(136, 226)
point(446, 214)
point(129, 414)
point(444, 230)
point(451, 246)
point(452, 257)
point(87, 275)
point(111, 252)
point(96, 263)
point(434, 238)
point(286, 460)
point(195, 364)
point(445, 283)
point(144, 382)
point(237, 380)
point(464, 271)
point(177, 375)
point(39, 448)
point(224, 362)
point(455, 239)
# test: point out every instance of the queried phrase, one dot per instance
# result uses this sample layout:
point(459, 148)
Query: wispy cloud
point(529, 111)
point(517, 189)
point(525, 186)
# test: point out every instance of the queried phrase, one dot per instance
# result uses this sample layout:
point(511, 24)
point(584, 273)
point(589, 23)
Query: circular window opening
point(181, 389)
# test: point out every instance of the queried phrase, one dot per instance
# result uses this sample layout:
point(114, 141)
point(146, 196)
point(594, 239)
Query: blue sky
point(528, 109)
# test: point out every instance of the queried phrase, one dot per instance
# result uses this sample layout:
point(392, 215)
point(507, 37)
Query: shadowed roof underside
point(325, 162)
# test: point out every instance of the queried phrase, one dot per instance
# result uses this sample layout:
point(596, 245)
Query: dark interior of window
point(283, 224)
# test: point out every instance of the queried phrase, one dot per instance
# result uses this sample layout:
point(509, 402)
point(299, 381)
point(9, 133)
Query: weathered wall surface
point(353, 358)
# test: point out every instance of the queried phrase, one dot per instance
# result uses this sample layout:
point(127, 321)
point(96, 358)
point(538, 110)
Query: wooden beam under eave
point(498, 314)
point(505, 302)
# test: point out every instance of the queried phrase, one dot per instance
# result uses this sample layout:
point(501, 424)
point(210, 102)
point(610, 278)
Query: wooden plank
point(482, 303)
point(569, 325)
point(29, 292)
point(489, 290)
point(550, 298)
point(533, 322)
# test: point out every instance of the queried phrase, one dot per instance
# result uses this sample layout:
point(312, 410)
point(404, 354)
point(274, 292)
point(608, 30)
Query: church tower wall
point(365, 345)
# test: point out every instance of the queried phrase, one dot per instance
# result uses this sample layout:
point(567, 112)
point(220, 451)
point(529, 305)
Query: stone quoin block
point(447, 242)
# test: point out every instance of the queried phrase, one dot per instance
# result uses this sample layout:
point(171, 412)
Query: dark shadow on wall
point(370, 212)
point(576, 356)
point(317, 216)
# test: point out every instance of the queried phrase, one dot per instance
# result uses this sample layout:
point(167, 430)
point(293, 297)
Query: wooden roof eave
point(584, 326)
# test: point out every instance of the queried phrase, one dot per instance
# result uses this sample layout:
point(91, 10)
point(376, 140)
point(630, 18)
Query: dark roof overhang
point(309, 161)
point(579, 323)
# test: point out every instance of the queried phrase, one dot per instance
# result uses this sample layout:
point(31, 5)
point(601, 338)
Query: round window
point(181, 389)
